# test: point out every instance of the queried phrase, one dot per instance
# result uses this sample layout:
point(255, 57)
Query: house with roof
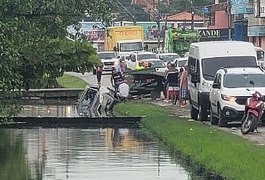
point(187, 20)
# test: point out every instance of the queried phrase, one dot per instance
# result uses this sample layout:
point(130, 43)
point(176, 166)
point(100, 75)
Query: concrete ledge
point(52, 93)
point(72, 121)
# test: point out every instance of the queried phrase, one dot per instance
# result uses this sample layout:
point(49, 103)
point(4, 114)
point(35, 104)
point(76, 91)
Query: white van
point(204, 59)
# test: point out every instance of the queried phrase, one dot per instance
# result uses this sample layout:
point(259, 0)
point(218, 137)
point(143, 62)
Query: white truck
point(204, 59)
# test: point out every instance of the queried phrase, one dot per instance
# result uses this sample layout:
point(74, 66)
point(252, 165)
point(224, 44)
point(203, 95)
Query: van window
point(192, 64)
point(211, 65)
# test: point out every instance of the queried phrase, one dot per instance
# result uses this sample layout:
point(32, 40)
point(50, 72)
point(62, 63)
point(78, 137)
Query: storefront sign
point(214, 34)
point(256, 31)
point(242, 7)
point(262, 8)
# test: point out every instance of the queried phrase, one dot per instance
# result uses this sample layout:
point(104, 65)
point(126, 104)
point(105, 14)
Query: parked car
point(168, 57)
point(230, 90)
point(181, 62)
point(135, 57)
point(159, 65)
point(108, 59)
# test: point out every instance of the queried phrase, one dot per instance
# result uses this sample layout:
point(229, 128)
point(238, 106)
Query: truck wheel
point(213, 120)
point(203, 115)
point(221, 122)
point(193, 113)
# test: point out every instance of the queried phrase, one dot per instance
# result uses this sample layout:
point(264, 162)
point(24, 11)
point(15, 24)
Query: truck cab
point(125, 47)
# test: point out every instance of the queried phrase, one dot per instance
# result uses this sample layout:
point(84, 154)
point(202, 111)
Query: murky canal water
point(92, 153)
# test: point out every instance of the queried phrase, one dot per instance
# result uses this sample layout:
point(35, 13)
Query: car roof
point(158, 60)
point(242, 70)
point(105, 52)
point(164, 54)
point(145, 52)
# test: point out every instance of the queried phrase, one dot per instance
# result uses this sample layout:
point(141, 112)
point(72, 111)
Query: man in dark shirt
point(116, 77)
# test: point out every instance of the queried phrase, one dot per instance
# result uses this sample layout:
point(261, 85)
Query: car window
point(182, 63)
point(146, 56)
point(243, 80)
point(106, 55)
point(167, 58)
point(211, 65)
point(157, 64)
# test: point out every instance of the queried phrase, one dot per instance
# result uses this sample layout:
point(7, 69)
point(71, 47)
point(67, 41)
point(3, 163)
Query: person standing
point(99, 69)
point(183, 87)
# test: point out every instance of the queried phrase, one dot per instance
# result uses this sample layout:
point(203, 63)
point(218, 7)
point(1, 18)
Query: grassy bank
point(69, 81)
point(226, 154)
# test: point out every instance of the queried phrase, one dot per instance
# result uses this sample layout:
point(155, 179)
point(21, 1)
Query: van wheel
point(221, 122)
point(203, 115)
point(213, 120)
point(193, 113)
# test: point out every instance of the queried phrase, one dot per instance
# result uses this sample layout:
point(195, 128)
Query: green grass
point(69, 81)
point(223, 153)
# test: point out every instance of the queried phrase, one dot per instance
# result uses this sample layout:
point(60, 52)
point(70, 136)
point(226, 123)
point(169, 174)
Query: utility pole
point(192, 15)
point(132, 15)
point(229, 19)
point(158, 24)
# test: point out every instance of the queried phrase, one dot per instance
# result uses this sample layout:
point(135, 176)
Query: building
point(188, 19)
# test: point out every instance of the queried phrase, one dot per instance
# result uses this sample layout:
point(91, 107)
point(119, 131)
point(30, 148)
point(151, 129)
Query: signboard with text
point(242, 7)
point(262, 8)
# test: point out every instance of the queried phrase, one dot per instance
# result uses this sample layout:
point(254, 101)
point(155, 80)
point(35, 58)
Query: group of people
point(118, 81)
point(176, 83)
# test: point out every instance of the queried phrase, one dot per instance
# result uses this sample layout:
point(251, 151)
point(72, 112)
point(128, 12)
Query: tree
point(34, 50)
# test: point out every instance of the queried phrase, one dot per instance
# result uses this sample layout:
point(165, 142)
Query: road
point(256, 137)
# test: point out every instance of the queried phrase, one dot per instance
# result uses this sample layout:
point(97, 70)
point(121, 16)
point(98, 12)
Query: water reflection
point(48, 111)
point(13, 164)
point(93, 153)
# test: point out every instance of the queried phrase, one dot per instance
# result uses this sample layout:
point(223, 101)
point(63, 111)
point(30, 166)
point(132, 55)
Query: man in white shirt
point(123, 90)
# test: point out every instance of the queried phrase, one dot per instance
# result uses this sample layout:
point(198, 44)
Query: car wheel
point(213, 120)
point(203, 115)
point(221, 122)
point(193, 113)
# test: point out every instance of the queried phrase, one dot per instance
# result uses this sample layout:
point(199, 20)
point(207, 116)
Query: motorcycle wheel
point(248, 124)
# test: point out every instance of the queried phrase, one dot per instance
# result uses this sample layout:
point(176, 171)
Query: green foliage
point(218, 151)
point(34, 50)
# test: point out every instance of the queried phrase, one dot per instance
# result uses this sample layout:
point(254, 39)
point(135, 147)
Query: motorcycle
point(254, 109)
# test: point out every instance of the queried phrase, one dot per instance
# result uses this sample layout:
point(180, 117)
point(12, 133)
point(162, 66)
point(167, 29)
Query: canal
point(90, 153)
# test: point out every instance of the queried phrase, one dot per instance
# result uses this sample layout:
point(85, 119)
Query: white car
point(230, 90)
point(181, 62)
point(168, 57)
point(159, 65)
point(108, 59)
point(135, 57)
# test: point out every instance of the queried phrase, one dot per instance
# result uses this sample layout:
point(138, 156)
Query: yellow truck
point(124, 39)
